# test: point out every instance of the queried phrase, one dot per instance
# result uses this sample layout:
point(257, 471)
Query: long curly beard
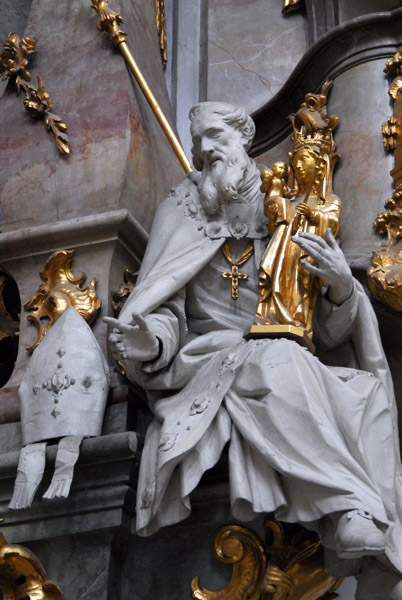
point(221, 181)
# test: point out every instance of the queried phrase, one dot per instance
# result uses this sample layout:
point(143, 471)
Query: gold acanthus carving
point(296, 566)
point(240, 547)
point(161, 27)
point(295, 569)
point(109, 21)
point(13, 60)
point(385, 273)
point(120, 296)
point(22, 575)
point(291, 5)
point(59, 291)
point(391, 133)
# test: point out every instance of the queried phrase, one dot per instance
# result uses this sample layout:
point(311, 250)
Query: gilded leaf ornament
point(59, 290)
point(13, 60)
point(296, 566)
point(294, 570)
point(22, 575)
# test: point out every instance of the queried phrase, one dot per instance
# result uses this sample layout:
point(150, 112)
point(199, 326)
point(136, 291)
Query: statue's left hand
point(330, 264)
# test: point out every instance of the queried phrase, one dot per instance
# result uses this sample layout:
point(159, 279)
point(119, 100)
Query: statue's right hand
point(133, 342)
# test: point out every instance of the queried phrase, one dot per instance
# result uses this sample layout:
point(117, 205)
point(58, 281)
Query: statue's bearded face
point(218, 150)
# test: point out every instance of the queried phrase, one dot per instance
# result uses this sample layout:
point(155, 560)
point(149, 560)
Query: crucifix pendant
point(234, 275)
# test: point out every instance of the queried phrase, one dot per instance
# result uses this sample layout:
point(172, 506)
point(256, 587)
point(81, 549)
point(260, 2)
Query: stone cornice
point(68, 233)
point(365, 38)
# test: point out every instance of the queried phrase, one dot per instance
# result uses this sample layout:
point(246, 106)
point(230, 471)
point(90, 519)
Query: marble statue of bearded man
point(311, 443)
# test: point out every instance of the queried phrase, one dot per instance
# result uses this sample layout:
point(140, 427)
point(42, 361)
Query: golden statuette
point(291, 5)
point(22, 575)
point(385, 273)
point(59, 291)
point(161, 27)
point(120, 296)
point(13, 60)
point(241, 548)
point(303, 203)
point(109, 21)
point(296, 566)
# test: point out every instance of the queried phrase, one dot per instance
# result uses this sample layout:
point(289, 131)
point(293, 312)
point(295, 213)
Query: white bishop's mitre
point(65, 387)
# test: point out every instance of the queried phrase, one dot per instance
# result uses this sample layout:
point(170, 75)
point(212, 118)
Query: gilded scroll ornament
point(385, 273)
point(120, 296)
point(237, 546)
point(59, 291)
point(296, 566)
point(305, 203)
point(13, 60)
point(291, 5)
point(161, 26)
point(295, 569)
point(22, 575)
point(109, 21)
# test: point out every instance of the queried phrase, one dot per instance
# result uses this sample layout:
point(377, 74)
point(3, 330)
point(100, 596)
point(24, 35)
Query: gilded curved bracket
point(385, 273)
point(237, 546)
point(59, 291)
point(22, 575)
point(296, 566)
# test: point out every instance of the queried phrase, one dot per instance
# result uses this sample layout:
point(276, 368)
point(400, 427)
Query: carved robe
point(306, 440)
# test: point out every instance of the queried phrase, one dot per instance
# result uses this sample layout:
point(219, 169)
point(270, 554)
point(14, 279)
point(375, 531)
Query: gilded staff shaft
point(109, 21)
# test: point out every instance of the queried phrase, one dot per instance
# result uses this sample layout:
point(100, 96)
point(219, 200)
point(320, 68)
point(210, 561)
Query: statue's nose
point(206, 145)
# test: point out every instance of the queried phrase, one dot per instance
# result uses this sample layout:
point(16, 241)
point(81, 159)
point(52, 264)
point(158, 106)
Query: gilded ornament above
point(13, 60)
point(161, 27)
point(385, 273)
point(22, 575)
point(59, 291)
point(291, 5)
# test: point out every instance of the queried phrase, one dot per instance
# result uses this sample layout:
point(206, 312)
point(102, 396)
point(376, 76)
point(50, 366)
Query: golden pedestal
point(290, 332)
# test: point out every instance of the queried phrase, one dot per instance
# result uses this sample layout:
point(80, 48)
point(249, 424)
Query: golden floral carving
point(119, 298)
point(59, 291)
point(237, 546)
point(13, 60)
point(14, 56)
point(22, 575)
